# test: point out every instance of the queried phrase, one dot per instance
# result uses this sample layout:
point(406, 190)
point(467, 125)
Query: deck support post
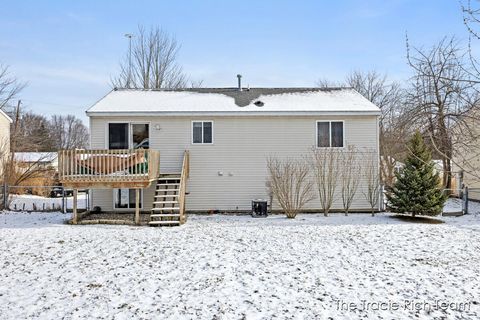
point(137, 206)
point(75, 211)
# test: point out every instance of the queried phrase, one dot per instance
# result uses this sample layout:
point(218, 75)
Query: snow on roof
point(6, 116)
point(230, 100)
point(35, 156)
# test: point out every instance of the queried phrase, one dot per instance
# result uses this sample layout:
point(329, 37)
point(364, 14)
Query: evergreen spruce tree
point(417, 187)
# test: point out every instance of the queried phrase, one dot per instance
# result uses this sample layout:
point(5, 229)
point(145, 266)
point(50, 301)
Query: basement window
point(330, 134)
point(202, 132)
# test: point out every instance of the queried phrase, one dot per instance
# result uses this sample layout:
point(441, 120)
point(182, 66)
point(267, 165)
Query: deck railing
point(183, 185)
point(108, 166)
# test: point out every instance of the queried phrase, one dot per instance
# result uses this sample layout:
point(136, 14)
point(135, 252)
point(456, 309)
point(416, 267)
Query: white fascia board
point(6, 116)
point(238, 114)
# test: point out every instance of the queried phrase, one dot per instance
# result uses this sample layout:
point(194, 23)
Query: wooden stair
point(169, 200)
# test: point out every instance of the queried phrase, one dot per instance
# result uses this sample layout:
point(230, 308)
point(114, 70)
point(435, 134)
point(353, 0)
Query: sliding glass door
point(128, 136)
point(140, 135)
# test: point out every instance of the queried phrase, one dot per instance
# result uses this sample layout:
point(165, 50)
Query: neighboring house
point(5, 122)
point(228, 133)
point(466, 155)
point(43, 160)
point(35, 172)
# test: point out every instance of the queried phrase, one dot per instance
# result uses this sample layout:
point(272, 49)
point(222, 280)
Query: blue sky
point(68, 50)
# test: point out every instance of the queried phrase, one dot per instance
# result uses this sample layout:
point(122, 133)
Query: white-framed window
point(202, 132)
point(125, 198)
point(330, 134)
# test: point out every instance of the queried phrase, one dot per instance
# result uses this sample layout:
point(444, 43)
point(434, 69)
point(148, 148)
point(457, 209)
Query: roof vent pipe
point(239, 76)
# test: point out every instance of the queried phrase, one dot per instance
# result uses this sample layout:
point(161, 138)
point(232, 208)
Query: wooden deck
point(106, 169)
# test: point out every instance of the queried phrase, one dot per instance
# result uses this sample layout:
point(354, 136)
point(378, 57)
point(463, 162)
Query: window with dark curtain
point(121, 198)
point(323, 134)
point(132, 198)
point(337, 134)
point(197, 132)
point(118, 136)
point(207, 132)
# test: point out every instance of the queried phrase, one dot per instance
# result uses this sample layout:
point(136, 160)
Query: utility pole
point(7, 172)
point(129, 77)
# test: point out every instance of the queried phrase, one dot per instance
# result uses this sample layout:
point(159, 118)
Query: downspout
point(380, 193)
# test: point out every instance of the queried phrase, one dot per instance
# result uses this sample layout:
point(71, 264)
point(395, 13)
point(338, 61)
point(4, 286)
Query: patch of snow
point(36, 156)
point(234, 267)
point(138, 101)
point(18, 202)
point(455, 205)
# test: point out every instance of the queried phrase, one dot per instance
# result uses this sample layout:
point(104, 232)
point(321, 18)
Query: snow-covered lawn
point(234, 267)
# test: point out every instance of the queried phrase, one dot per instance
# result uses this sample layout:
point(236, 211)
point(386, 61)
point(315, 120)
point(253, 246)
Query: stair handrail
point(183, 184)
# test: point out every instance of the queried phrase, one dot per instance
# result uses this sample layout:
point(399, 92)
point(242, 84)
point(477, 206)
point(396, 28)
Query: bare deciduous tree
point(372, 179)
point(30, 132)
point(290, 184)
point(325, 165)
point(154, 62)
point(471, 19)
point(68, 132)
point(349, 176)
point(15, 171)
point(389, 96)
point(440, 95)
point(326, 83)
point(9, 86)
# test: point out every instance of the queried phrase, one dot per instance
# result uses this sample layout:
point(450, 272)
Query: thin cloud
point(70, 74)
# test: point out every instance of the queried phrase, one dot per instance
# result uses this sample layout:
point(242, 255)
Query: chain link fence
point(460, 201)
point(42, 199)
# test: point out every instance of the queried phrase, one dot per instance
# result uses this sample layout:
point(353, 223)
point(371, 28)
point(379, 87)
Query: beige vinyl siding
point(4, 134)
point(239, 151)
point(467, 159)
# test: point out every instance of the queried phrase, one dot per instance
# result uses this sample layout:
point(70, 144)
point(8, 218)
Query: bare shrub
point(372, 179)
point(326, 168)
point(349, 176)
point(290, 184)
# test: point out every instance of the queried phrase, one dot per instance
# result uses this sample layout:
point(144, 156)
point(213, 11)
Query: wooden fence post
point(465, 201)
point(137, 206)
point(75, 213)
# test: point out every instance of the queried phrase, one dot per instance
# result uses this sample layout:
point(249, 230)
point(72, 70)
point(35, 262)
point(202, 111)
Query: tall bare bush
point(349, 176)
point(290, 184)
point(326, 169)
point(372, 179)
